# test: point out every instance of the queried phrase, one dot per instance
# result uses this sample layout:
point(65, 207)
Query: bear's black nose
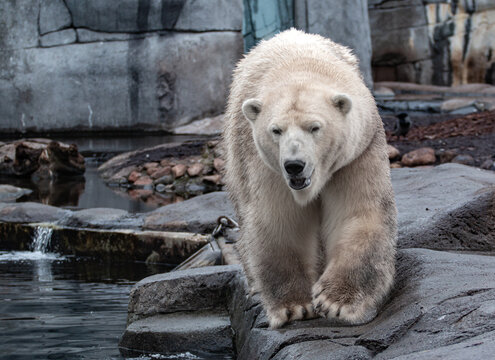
point(294, 167)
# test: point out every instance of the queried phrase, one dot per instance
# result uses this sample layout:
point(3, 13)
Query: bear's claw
point(280, 316)
point(352, 310)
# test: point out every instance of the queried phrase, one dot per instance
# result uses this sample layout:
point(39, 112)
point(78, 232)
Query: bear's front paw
point(278, 317)
point(342, 303)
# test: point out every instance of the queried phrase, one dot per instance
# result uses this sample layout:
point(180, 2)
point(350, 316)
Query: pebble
point(488, 164)
point(165, 179)
point(179, 170)
point(215, 179)
point(144, 182)
point(161, 171)
point(133, 176)
point(160, 188)
point(218, 164)
point(446, 156)
point(150, 165)
point(464, 159)
point(421, 156)
point(195, 169)
point(392, 151)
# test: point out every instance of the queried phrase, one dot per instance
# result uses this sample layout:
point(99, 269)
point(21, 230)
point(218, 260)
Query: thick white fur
point(332, 243)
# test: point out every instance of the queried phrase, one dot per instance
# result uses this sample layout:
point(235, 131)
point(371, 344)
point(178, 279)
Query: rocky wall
point(441, 42)
point(93, 65)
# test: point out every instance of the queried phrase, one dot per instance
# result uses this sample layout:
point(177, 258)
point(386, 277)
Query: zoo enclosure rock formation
point(439, 42)
point(442, 300)
point(96, 65)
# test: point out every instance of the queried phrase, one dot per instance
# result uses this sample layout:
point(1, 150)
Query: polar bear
point(308, 174)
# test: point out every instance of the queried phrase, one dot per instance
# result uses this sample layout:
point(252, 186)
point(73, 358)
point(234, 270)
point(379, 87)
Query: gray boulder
point(198, 214)
point(30, 212)
point(11, 193)
point(447, 207)
point(102, 218)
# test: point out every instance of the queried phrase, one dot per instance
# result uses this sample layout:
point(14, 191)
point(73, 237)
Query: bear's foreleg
point(282, 264)
point(360, 270)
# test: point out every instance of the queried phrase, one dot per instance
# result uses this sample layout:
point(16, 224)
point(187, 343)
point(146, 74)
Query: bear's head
point(305, 133)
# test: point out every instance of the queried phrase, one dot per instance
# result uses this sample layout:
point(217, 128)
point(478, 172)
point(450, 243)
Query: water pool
point(64, 308)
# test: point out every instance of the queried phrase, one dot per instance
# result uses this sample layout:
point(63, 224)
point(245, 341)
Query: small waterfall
point(41, 239)
point(40, 247)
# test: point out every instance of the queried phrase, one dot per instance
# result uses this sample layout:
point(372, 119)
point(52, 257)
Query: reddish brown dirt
point(472, 134)
point(470, 125)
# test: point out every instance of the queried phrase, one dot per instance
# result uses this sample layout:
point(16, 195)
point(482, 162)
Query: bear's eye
point(314, 129)
point(276, 131)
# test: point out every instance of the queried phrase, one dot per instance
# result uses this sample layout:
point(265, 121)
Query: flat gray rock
point(186, 290)
point(11, 193)
point(30, 212)
point(198, 214)
point(62, 37)
point(96, 218)
point(201, 334)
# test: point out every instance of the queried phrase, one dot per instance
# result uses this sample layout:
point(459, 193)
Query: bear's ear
point(342, 102)
point(251, 108)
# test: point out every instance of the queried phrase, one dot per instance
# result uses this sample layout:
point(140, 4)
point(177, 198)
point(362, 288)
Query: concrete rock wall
point(92, 64)
point(441, 42)
point(346, 24)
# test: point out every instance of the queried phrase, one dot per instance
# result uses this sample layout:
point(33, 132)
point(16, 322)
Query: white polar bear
point(308, 174)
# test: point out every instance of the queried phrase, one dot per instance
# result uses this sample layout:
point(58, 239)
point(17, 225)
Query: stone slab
point(30, 212)
point(54, 16)
point(198, 214)
point(63, 37)
point(207, 335)
point(154, 15)
point(203, 288)
point(96, 218)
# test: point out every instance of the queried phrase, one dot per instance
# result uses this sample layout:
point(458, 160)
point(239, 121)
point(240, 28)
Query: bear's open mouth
point(299, 183)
